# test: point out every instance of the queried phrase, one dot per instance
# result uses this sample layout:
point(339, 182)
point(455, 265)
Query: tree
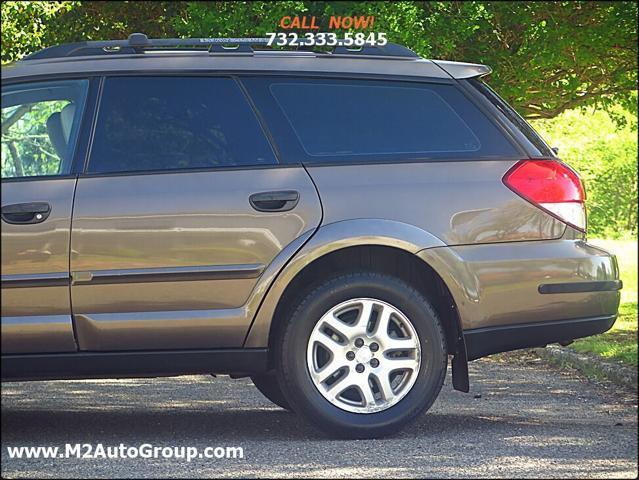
point(25, 24)
point(548, 56)
point(28, 26)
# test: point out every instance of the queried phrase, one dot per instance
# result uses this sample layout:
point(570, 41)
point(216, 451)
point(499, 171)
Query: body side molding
point(37, 333)
point(55, 279)
point(171, 274)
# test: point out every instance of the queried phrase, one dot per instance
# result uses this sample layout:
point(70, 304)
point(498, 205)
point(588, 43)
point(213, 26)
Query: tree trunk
point(17, 161)
point(17, 115)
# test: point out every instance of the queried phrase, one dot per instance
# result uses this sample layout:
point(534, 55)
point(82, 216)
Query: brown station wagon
point(333, 224)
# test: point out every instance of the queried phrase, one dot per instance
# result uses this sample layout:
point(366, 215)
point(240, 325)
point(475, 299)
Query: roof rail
point(140, 43)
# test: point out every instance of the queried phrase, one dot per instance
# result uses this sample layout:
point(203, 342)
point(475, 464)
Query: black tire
point(268, 386)
point(292, 371)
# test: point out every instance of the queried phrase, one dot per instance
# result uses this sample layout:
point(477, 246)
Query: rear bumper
point(481, 342)
point(529, 293)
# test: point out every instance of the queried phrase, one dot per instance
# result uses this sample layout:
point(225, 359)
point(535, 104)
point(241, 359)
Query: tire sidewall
point(305, 397)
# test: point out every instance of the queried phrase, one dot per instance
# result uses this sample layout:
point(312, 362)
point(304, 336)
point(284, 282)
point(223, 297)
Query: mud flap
point(461, 381)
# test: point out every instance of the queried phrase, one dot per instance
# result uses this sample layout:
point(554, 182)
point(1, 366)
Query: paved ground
point(530, 421)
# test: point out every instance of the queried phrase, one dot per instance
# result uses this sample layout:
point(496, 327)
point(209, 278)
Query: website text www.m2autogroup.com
point(122, 451)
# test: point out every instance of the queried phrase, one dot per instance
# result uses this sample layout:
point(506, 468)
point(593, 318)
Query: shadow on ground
point(519, 420)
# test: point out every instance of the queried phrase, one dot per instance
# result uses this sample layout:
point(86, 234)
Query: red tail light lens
point(552, 186)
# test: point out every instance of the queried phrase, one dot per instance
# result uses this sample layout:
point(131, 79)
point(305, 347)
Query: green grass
point(620, 342)
point(626, 251)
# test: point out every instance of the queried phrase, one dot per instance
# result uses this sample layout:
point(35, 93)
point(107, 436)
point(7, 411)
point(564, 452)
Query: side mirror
point(555, 150)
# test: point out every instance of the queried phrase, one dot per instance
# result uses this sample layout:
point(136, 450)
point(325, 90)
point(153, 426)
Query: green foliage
point(548, 56)
point(28, 26)
point(627, 255)
point(97, 20)
point(26, 148)
point(234, 19)
point(618, 344)
point(25, 26)
point(605, 155)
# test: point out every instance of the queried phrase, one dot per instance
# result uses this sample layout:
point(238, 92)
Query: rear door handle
point(26, 213)
point(281, 201)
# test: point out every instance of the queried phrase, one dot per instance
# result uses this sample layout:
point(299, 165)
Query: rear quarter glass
point(332, 121)
point(535, 145)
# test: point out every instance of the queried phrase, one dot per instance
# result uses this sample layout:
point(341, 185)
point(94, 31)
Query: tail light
point(552, 186)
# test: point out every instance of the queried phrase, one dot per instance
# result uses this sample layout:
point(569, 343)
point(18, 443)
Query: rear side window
point(351, 120)
point(40, 123)
point(169, 123)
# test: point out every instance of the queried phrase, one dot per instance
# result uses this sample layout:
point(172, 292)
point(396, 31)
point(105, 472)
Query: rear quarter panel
point(461, 203)
point(498, 284)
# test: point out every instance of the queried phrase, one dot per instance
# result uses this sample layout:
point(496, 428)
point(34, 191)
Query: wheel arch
point(326, 240)
point(379, 245)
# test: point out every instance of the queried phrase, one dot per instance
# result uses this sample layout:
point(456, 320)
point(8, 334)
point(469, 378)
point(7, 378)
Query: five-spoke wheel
point(363, 355)
point(360, 354)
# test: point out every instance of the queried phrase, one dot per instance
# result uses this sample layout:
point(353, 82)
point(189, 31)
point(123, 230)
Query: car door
point(40, 123)
point(182, 207)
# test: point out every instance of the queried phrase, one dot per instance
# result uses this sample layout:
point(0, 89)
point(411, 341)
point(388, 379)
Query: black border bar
point(581, 287)
point(481, 342)
point(60, 366)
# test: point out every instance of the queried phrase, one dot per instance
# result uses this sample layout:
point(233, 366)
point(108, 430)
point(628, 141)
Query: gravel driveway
point(521, 419)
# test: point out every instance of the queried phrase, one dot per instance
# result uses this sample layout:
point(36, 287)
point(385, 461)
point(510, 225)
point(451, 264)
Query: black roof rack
point(140, 43)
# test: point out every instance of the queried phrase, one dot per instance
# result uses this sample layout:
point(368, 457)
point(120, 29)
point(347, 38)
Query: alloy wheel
point(363, 355)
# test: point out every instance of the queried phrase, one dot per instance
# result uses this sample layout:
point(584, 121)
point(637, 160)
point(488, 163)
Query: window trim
point(340, 163)
point(72, 173)
point(185, 170)
point(262, 121)
point(249, 101)
point(40, 178)
point(234, 73)
point(81, 162)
